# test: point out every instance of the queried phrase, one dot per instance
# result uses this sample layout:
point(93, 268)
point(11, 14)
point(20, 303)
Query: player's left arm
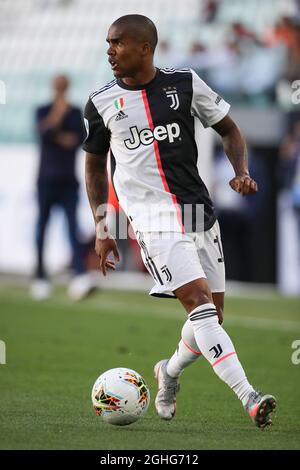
point(236, 150)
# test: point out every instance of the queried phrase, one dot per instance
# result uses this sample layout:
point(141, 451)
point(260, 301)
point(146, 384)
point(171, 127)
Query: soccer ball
point(120, 396)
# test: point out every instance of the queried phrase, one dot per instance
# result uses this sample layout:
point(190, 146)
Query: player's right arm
point(97, 189)
point(97, 145)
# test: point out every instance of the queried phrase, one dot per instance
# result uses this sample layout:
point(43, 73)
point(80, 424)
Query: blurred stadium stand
point(39, 38)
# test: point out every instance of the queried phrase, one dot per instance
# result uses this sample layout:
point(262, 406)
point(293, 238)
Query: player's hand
point(103, 248)
point(244, 185)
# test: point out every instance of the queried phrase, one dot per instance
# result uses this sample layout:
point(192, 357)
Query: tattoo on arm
point(96, 179)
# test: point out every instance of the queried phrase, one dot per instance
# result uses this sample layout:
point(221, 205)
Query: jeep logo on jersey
point(147, 136)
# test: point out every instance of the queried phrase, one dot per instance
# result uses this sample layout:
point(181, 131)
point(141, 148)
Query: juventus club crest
point(172, 94)
point(166, 271)
point(217, 350)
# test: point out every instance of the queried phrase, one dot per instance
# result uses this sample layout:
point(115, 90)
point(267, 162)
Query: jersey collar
point(139, 87)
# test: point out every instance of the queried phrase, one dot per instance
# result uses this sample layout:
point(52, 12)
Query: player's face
point(124, 53)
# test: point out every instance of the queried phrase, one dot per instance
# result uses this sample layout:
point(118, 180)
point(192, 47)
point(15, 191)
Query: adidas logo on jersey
point(147, 136)
point(121, 115)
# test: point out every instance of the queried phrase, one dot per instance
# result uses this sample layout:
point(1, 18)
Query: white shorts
point(173, 259)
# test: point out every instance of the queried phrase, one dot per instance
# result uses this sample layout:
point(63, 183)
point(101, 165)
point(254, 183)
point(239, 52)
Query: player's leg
point(69, 199)
point(166, 268)
point(167, 372)
point(217, 347)
point(211, 256)
point(210, 337)
point(40, 287)
point(187, 350)
point(44, 201)
point(173, 262)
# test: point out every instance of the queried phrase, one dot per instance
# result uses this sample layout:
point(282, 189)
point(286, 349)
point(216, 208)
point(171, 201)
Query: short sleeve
point(97, 140)
point(207, 105)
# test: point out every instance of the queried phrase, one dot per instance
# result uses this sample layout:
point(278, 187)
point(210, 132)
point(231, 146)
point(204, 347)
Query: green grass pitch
point(56, 349)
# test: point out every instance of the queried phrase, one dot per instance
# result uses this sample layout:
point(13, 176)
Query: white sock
point(186, 353)
point(217, 348)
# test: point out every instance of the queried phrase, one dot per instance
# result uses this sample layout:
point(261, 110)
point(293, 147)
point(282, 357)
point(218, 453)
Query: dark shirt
point(57, 164)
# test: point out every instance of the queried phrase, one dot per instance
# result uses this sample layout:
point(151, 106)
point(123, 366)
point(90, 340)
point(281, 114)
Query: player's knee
point(195, 298)
point(194, 294)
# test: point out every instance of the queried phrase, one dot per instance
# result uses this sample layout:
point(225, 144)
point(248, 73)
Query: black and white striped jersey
point(150, 132)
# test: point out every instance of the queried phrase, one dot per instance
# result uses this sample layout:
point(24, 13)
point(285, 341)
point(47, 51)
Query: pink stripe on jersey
point(158, 160)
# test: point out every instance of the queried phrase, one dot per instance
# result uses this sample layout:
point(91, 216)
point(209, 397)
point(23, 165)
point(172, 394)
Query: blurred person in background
point(60, 129)
point(292, 71)
point(199, 58)
point(289, 167)
point(238, 217)
point(209, 10)
point(286, 33)
point(233, 219)
point(252, 69)
point(205, 60)
point(167, 56)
